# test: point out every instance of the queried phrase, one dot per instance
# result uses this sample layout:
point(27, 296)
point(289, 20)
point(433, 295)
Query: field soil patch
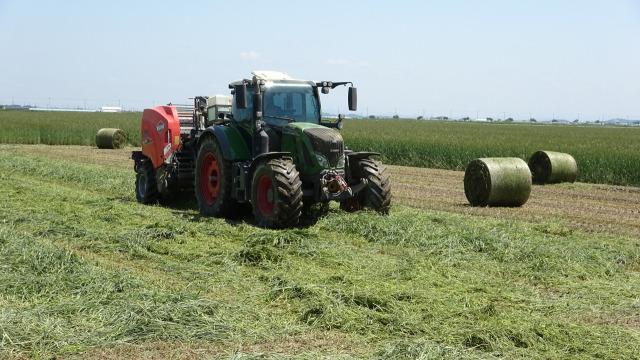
point(580, 206)
point(119, 158)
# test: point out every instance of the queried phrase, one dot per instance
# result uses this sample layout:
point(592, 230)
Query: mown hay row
point(550, 167)
point(497, 182)
point(109, 138)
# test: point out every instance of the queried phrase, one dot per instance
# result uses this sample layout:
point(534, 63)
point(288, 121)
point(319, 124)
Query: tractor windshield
point(290, 102)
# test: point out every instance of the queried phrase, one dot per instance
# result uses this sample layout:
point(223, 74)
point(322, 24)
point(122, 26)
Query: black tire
point(213, 181)
point(146, 187)
point(355, 203)
point(312, 212)
point(276, 194)
point(377, 194)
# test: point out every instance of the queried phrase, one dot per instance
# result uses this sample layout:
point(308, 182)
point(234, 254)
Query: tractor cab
point(272, 104)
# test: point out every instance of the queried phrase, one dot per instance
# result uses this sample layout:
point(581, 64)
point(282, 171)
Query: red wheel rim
point(265, 195)
point(210, 179)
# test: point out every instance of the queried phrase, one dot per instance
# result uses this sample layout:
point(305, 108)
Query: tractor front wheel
point(377, 194)
point(276, 194)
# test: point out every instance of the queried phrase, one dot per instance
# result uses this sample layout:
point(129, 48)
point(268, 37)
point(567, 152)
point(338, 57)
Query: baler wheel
point(146, 187)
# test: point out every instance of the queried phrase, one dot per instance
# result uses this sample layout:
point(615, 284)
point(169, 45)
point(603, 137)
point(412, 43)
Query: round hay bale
point(550, 167)
point(497, 182)
point(111, 138)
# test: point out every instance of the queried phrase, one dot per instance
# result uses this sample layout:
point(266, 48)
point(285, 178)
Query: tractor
point(267, 148)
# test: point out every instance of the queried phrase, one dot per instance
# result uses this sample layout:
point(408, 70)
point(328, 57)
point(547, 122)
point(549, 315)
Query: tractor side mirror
point(353, 99)
point(241, 96)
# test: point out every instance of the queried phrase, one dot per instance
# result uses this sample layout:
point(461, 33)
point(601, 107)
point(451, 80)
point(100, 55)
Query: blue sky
point(496, 58)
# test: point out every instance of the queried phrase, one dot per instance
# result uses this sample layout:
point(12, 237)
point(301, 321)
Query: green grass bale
point(497, 182)
point(550, 167)
point(109, 138)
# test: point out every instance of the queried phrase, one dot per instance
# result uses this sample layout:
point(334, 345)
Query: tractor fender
point(266, 157)
point(352, 159)
point(359, 155)
point(233, 146)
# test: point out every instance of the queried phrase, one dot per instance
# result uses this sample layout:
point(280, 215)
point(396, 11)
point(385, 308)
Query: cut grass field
point(87, 272)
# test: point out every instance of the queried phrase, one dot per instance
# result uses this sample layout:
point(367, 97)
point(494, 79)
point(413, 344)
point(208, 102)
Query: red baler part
point(160, 133)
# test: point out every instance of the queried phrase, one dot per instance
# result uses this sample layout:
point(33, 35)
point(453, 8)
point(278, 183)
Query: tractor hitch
point(334, 187)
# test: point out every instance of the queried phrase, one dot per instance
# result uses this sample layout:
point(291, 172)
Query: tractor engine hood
point(320, 145)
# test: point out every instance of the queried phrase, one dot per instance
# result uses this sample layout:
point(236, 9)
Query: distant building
point(16, 107)
point(111, 109)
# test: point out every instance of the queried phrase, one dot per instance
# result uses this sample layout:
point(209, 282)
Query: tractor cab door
point(244, 117)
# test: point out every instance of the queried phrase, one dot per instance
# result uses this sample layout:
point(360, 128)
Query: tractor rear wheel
point(146, 187)
point(276, 194)
point(213, 180)
point(377, 194)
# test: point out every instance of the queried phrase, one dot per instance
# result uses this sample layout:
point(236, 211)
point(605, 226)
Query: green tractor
point(267, 147)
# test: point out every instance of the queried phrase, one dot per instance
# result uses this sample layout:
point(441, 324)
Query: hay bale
point(550, 167)
point(497, 182)
point(111, 138)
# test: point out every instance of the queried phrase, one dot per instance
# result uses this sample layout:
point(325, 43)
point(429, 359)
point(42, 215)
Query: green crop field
point(89, 273)
point(608, 155)
point(64, 127)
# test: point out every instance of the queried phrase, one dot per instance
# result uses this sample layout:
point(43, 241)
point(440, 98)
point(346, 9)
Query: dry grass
point(579, 206)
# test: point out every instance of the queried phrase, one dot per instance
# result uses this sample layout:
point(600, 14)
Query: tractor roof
point(269, 75)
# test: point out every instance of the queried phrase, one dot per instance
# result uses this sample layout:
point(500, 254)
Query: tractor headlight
point(340, 163)
point(322, 161)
